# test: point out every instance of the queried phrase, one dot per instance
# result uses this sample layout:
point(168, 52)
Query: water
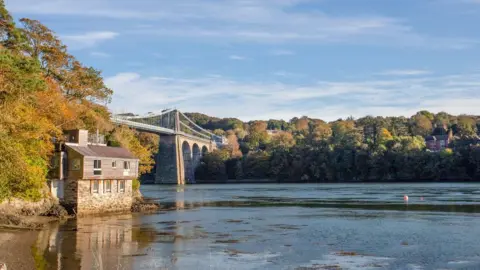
point(297, 226)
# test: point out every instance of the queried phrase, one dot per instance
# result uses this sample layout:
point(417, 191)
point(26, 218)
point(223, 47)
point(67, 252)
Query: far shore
point(272, 181)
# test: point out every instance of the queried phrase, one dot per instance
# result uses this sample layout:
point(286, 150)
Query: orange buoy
point(405, 198)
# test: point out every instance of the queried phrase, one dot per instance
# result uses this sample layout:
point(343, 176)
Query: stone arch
point(204, 150)
point(197, 155)
point(187, 162)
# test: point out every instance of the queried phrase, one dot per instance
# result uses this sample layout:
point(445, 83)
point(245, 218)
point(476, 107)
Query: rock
point(56, 211)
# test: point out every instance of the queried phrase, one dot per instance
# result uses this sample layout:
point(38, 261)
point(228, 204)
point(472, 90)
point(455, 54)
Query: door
point(55, 188)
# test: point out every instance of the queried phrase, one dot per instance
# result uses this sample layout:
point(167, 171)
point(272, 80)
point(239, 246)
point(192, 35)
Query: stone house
point(87, 176)
point(437, 142)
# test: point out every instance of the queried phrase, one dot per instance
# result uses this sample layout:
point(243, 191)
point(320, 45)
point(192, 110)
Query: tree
point(25, 131)
point(258, 135)
point(344, 133)
point(219, 132)
point(384, 136)
point(282, 139)
point(212, 166)
point(233, 146)
point(302, 124)
point(421, 125)
point(82, 88)
point(442, 119)
point(319, 130)
point(466, 126)
point(430, 116)
point(10, 36)
point(128, 138)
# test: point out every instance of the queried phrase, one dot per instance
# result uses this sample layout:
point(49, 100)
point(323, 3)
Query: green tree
point(421, 125)
point(212, 167)
point(466, 126)
point(10, 36)
point(258, 135)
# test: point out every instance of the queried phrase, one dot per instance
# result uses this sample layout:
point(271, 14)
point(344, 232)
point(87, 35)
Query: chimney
point(82, 137)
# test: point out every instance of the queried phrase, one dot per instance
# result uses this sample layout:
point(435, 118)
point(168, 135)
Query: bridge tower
point(182, 144)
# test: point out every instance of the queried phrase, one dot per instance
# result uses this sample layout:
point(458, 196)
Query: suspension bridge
point(182, 143)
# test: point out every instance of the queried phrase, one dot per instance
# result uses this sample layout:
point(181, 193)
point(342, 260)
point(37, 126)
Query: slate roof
point(102, 151)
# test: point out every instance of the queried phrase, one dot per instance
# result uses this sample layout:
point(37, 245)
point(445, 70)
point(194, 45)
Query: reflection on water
point(88, 243)
point(278, 227)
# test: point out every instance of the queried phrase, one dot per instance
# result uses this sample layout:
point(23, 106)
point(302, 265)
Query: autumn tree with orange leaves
point(43, 91)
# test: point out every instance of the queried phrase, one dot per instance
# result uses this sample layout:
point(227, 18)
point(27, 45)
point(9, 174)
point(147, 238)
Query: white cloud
point(406, 72)
point(270, 21)
point(100, 54)
point(237, 57)
point(219, 96)
point(89, 39)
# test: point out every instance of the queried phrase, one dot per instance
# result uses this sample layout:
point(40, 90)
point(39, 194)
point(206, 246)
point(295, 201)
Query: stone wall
point(70, 195)
point(101, 202)
point(166, 164)
point(171, 167)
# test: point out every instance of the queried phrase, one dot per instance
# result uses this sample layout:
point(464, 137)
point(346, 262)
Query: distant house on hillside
point(437, 142)
point(88, 176)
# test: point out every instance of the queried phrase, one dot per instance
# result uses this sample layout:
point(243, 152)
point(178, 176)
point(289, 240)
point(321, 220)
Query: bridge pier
point(178, 157)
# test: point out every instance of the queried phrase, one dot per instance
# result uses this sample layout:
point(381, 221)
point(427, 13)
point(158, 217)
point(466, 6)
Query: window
point(97, 167)
point(126, 165)
point(121, 185)
point(114, 164)
point(107, 186)
point(94, 186)
point(76, 164)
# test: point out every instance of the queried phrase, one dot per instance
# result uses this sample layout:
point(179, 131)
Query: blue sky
point(255, 59)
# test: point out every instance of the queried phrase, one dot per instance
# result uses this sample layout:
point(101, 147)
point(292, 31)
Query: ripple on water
point(342, 260)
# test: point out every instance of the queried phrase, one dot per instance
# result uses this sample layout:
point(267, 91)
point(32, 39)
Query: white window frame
point(126, 168)
point(120, 189)
point(92, 186)
point(97, 170)
point(105, 190)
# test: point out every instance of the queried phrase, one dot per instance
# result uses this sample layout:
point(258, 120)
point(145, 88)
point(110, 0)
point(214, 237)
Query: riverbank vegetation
point(365, 149)
point(43, 91)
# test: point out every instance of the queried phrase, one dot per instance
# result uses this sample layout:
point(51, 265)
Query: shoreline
point(269, 181)
point(18, 214)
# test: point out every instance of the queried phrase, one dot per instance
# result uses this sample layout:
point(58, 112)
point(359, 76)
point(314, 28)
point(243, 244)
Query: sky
point(263, 59)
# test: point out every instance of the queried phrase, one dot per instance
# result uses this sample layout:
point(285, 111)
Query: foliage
point(128, 138)
point(135, 184)
point(282, 139)
point(257, 135)
point(466, 126)
point(421, 125)
point(24, 128)
point(256, 165)
point(212, 166)
point(233, 146)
